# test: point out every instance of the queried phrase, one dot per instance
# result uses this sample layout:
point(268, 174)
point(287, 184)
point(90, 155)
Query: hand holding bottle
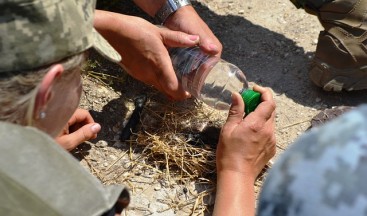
point(142, 46)
point(245, 146)
point(211, 79)
point(187, 20)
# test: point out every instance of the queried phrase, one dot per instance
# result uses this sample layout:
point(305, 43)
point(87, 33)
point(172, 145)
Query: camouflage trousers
point(310, 3)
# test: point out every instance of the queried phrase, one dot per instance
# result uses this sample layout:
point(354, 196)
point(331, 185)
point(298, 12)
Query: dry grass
point(169, 141)
point(92, 69)
point(174, 143)
point(170, 137)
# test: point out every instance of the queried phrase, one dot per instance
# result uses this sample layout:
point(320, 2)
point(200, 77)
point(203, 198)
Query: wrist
point(173, 21)
point(236, 165)
point(150, 6)
point(169, 8)
point(231, 173)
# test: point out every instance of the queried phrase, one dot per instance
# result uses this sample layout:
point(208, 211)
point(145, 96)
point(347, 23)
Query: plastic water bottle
point(211, 79)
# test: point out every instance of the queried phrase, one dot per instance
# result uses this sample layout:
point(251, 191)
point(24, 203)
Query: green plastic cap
point(251, 99)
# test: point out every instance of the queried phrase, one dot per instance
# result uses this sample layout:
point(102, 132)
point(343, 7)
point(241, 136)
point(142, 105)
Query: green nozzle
point(251, 99)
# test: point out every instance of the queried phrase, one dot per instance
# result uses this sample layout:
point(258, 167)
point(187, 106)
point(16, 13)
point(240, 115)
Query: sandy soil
point(271, 41)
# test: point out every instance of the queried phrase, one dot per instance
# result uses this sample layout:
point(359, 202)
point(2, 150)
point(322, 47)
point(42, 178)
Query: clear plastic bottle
point(211, 79)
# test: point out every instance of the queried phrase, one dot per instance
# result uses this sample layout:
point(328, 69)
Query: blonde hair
point(18, 92)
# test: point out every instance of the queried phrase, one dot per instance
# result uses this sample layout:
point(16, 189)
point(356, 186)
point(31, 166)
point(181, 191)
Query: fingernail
point(213, 47)
point(187, 95)
point(96, 128)
point(194, 37)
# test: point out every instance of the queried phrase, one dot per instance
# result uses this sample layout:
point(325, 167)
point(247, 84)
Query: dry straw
point(171, 137)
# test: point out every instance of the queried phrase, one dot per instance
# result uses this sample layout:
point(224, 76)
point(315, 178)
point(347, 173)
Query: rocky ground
point(271, 41)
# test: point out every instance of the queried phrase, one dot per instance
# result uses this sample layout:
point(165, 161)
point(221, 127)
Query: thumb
point(178, 39)
point(87, 132)
point(236, 111)
point(72, 140)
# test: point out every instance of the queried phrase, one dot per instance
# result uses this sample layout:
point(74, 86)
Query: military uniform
point(323, 173)
point(37, 176)
point(38, 33)
point(341, 54)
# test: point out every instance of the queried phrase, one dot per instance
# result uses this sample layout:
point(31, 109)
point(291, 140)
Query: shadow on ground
point(268, 58)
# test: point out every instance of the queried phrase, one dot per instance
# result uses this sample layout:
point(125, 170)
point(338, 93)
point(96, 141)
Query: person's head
point(323, 173)
point(43, 45)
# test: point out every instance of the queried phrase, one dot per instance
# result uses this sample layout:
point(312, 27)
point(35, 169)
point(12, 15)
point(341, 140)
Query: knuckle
point(256, 126)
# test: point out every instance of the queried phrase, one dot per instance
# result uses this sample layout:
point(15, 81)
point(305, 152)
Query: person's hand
point(80, 128)
point(142, 46)
point(247, 144)
point(187, 20)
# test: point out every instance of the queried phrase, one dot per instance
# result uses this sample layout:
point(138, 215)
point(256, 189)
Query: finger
point(268, 102)
point(236, 111)
point(167, 80)
point(266, 93)
point(178, 39)
point(264, 111)
point(87, 132)
point(208, 42)
point(208, 45)
point(81, 116)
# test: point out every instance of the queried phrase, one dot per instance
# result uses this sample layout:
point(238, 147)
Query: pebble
point(241, 12)
point(101, 143)
point(113, 157)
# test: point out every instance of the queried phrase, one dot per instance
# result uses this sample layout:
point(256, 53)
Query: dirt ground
point(271, 41)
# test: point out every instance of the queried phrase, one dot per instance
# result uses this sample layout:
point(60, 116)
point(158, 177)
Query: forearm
point(235, 194)
point(150, 6)
point(104, 21)
point(116, 28)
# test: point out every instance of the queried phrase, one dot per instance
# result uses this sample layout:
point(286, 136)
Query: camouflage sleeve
point(38, 177)
point(323, 173)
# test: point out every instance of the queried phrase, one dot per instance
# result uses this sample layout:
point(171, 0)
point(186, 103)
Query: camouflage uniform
point(323, 173)
point(37, 176)
point(38, 33)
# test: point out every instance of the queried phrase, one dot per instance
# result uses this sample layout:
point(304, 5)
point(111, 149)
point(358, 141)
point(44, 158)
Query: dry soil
point(271, 41)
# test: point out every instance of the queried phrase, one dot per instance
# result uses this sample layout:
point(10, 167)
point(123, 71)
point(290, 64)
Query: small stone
point(241, 12)
point(113, 157)
point(138, 172)
point(101, 143)
point(157, 188)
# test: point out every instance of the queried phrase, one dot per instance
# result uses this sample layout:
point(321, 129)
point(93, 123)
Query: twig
point(297, 123)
